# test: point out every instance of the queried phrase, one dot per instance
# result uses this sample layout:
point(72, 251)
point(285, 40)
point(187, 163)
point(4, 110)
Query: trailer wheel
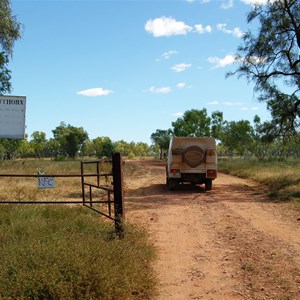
point(208, 184)
point(172, 184)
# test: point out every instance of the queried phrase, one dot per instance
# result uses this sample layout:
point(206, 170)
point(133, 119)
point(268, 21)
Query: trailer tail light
point(211, 156)
point(174, 171)
point(211, 152)
point(211, 174)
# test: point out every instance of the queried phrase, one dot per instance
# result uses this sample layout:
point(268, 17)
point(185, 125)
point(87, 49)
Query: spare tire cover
point(193, 156)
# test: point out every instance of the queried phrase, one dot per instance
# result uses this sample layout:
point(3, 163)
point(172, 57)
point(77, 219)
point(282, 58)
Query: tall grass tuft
point(281, 177)
point(67, 253)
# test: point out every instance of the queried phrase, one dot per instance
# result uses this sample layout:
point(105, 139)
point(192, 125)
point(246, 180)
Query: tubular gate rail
point(115, 196)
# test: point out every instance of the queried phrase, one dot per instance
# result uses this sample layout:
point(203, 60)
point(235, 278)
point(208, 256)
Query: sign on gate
point(46, 182)
point(12, 117)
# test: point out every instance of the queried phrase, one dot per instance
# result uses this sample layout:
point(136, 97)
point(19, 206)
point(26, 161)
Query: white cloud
point(166, 27)
point(177, 114)
point(180, 67)
point(228, 4)
point(95, 92)
point(228, 103)
point(237, 32)
point(159, 90)
point(213, 103)
point(201, 29)
point(256, 2)
point(168, 54)
point(181, 85)
point(222, 62)
point(247, 108)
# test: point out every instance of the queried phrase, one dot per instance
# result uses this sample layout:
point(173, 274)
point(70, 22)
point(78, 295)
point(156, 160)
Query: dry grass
point(26, 189)
point(282, 178)
point(66, 252)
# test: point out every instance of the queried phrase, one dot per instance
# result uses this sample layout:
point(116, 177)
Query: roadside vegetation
point(281, 177)
point(68, 253)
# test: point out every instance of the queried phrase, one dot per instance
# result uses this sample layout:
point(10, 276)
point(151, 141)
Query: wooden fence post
point(118, 194)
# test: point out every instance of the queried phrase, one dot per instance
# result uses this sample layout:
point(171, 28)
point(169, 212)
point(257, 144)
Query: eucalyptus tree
point(103, 146)
point(10, 31)
point(270, 57)
point(217, 123)
point(39, 143)
point(194, 123)
point(238, 137)
point(69, 138)
point(161, 138)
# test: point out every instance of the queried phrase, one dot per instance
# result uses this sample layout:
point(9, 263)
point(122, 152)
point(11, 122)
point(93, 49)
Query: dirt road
point(227, 243)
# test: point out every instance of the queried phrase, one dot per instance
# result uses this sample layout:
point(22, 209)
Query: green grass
point(60, 252)
point(282, 178)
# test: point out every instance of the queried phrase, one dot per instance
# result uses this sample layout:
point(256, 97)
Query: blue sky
point(123, 69)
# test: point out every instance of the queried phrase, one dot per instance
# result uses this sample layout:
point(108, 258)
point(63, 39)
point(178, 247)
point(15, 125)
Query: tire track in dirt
point(229, 243)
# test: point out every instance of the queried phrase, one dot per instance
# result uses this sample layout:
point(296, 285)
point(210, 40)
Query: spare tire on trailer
point(193, 156)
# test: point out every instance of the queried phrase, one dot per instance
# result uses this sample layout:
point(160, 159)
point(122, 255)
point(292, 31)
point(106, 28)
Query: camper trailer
point(192, 160)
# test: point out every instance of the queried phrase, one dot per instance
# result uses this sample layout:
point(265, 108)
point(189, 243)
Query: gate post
point(118, 193)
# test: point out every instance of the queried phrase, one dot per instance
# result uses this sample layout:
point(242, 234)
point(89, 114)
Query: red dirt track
point(228, 243)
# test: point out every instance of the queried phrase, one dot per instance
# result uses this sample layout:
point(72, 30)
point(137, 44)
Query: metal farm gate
point(113, 202)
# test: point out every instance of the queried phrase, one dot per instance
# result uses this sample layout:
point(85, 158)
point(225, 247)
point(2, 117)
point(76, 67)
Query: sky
point(123, 69)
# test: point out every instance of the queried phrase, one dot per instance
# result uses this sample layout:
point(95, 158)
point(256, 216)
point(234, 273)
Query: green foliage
point(69, 138)
point(139, 149)
point(194, 122)
point(10, 29)
point(103, 146)
point(10, 148)
point(269, 57)
point(38, 143)
point(9, 32)
point(237, 136)
point(5, 77)
point(217, 123)
point(161, 138)
point(67, 253)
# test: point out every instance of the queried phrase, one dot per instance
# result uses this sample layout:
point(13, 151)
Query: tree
point(5, 77)
point(103, 146)
point(39, 143)
point(194, 122)
point(53, 147)
point(270, 58)
point(10, 31)
point(141, 149)
point(161, 138)
point(237, 137)
point(10, 148)
point(216, 124)
point(70, 138)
